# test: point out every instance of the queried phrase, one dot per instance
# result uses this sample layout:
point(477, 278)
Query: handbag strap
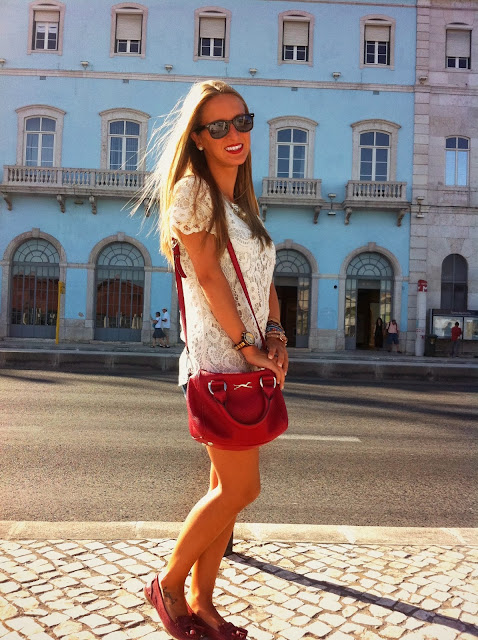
point(180, 274)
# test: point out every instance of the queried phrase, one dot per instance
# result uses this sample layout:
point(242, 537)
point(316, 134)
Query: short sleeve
point(191, 210)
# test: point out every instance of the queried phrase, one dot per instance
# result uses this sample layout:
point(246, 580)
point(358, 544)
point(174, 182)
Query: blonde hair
point(178, 156)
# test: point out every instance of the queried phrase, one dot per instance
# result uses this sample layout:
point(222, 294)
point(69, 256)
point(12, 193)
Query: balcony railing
point(360, 190)
point(72, 180)
point(291, 188)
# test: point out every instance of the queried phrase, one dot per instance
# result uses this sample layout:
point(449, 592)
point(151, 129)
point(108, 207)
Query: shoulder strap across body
point(180, 274)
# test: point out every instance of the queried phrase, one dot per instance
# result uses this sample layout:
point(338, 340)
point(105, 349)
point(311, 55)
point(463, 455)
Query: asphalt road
point(106, 448)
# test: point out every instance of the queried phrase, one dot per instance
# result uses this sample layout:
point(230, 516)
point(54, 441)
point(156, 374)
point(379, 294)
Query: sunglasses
point(220, 128)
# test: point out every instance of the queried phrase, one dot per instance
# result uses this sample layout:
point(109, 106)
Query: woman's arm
point(276, 348)
point(201, 248)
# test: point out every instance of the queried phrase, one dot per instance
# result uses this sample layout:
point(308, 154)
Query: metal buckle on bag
point(275, 382)
point(210, 383)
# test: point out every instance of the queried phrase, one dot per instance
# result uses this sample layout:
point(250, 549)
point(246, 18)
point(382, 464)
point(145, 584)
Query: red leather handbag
point(234, 411)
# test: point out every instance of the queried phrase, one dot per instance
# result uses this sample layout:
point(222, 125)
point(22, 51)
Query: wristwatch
point(247, 340)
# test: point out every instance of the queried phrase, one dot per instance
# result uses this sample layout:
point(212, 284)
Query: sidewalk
point(136, 357)
point(81, 581)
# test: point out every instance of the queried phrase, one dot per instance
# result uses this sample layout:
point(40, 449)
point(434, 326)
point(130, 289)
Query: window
point(40, 131)
point(374, 156)
point(46, 27)
point(458, 49)
point(295, 37)
point(123, 145)
point(212, 33)
point(454, 283)
point(124, 137)
point(291, 152)
point(374, 150)
point(456, 161)
point(128, 29)
point(39, 142)
point(377, 34)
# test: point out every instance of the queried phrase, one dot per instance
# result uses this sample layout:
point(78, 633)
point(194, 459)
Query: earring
point(200, 148)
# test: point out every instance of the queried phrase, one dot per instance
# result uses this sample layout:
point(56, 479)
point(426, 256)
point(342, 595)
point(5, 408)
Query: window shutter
point(46, 16)
point(377, 33)
point(458, 43)
point(296, 33)
point(212, 28)
point(128, 26)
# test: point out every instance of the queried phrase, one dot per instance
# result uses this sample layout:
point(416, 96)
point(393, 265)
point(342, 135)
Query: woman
point(378, 335)
point(393, 336)
point(206, 195)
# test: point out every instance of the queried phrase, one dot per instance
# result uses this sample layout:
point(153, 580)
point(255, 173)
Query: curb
point(121, 363)
point(261, 532)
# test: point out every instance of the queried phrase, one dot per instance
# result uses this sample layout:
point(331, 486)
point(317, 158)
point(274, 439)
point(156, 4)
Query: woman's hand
point(258, 358)
point(277, 350)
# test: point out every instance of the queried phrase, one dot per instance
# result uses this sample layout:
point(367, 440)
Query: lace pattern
point(210, 347)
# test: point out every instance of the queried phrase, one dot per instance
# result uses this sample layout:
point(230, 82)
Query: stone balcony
point(291, 192)
point(64, 182)
point(364, 194)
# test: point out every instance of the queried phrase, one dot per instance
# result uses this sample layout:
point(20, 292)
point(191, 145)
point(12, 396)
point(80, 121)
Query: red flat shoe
point(184, 627)
point(226, 631)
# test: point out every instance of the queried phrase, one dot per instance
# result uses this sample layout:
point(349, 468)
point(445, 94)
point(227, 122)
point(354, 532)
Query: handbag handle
point(179, 274)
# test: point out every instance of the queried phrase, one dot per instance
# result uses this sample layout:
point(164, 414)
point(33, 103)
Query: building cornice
point(260, 82)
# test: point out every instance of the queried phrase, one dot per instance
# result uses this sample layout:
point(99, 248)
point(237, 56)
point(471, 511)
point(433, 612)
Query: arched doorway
point(292, 277)
point(119, 293)
point(368, 296)
point(34, 290)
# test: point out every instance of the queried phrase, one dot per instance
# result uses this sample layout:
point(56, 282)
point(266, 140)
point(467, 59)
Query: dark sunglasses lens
point(243, 123)
point(218, 129)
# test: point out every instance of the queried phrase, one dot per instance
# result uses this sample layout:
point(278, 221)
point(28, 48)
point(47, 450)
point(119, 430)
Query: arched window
point(454, 283)
point(119, 293)
point(291, 150)
point(374, 153)
point(34, 287)
point(124, 134)
point(292, 279)
point(128, 29)
point(368, 296)
point(40, 130)
point(377, 41)
point(296, 31)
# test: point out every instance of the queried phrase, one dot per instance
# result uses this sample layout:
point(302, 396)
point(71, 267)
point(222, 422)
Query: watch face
point(248, 338)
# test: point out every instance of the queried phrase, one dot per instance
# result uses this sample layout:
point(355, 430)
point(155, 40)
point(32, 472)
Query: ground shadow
point(347, 592)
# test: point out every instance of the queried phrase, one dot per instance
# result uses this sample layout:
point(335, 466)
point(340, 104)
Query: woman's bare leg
point(238, 485)
point(205, 570)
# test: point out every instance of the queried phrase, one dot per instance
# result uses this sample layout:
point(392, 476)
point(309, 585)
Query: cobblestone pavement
point(87, 589)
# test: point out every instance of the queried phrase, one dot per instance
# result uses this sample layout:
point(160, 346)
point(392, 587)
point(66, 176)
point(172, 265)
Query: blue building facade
point(83, 85)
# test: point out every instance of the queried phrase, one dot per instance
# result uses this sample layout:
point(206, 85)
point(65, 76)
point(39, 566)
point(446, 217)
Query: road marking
point(298, 436)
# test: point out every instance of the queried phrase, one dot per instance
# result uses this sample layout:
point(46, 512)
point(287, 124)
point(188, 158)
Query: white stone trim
point(375, 124)
point(132, 8)
point(45, 4)
point(241, 81)
point(33, 111)
point(300, 16)
point(385, 21)
point(299, 122)
point(124, 114)
point(202, 12)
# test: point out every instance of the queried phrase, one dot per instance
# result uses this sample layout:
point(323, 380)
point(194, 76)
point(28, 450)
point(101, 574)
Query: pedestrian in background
point(455, 336)
point(165, 326)
point(393, 336)
point(203, 186)
point(158, 333)
point(378, 335)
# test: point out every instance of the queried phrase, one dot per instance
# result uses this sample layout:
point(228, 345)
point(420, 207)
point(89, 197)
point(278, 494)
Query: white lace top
point(210, 347)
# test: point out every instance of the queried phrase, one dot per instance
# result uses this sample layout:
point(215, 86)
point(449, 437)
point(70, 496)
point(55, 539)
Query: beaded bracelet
point(280, 335)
